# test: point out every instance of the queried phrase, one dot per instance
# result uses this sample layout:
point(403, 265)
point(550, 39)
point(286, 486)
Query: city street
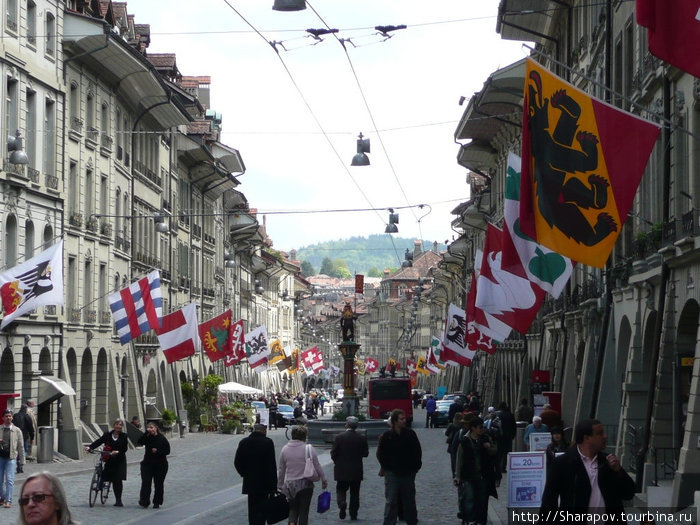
point(203, 487)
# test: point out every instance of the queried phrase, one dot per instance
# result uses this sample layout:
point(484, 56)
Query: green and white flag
point(547, 269)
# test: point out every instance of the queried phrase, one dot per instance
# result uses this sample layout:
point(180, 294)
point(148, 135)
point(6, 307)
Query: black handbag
point(277, 508)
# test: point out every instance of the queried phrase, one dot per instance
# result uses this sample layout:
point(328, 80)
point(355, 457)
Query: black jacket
point(471, 451)
point(568, 487)
point(115, 466)
point(157, 441)
point(400, 453)
point(507, 424)
point(255, 462)
point(348, 450)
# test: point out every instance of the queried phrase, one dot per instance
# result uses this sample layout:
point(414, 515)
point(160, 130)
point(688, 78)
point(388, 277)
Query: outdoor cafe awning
point(51, 388)
point(237, 388)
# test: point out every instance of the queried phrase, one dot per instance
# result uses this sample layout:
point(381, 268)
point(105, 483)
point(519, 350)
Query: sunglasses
point(36, 498)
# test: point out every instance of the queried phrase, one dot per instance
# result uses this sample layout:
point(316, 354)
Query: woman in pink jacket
point(291, 479)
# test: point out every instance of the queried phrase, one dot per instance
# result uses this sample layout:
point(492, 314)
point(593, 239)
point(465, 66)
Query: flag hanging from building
point(294, 362)
point(360, 366)
point(547, 269)
point(434, 353)
point(216, 335)
point(277, 355)
point(137, 308)
point(509, 297)
point(34, 283)
point(359, 283)
point(256, 347)
point(454, 344)
point(393, 365)
point(178, 335)
point(312, 359)
point(582, 163)
point(237, 344)
point(411, 368)
point(673, 31)
point(479, 336)
point(421, 366)
point(371, 364)
point(335, 371)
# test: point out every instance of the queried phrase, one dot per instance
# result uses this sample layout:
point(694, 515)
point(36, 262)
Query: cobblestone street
point(203, 487)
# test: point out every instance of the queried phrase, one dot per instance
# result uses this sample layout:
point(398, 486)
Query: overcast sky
point(412, 84)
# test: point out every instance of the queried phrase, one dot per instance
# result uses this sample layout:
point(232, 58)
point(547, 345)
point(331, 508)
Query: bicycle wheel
point(104, 493)
point(94, 487)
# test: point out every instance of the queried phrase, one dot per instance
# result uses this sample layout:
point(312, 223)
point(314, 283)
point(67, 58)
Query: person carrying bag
point(298, 469)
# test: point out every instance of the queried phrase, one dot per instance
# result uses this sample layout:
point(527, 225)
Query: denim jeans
point(401, 488)
point(7, 478)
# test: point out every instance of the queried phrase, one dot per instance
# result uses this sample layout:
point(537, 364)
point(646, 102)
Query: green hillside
point(361, 254)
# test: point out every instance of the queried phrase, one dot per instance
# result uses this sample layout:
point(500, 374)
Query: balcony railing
point(52, 182)
point(75, 219)
point(105, 317)
point(50, 310)
point(90, 316)
point(91, 224)
point(75, 315)
point(33, 175)
point(93, 134)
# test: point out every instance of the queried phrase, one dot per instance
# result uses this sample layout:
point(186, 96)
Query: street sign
point(527, 474)
point(539, 441)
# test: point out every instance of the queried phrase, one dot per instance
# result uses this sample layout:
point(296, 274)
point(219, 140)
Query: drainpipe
point(665, 272)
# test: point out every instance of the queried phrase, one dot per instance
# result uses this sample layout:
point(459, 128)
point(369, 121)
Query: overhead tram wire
point(371, 116)
point(308, 106)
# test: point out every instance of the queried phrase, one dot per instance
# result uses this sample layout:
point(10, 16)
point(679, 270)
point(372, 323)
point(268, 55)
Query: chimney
point(417, 249)
point(435, 246)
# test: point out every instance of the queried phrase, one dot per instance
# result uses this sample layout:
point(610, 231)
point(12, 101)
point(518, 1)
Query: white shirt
point(596, 503)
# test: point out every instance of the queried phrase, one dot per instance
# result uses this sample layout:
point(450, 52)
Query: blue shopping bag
point(324, 502)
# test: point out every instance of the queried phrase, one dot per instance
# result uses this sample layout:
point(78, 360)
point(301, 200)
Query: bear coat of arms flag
point(34, 283)
point(582, 162)
point(256, 347)
point(547, 269)
point(137, 308)
point(237, 344)
point(216, 336)
point(178, 334)
point(454, 343)
point(673, 31)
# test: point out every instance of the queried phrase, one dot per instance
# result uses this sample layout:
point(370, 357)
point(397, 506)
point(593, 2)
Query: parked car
point(285, 416)
point(442, 409)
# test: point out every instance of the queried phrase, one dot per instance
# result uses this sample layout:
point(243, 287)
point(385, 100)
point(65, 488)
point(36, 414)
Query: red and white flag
point(411, 368)
point(312, 359)
point(237, 344)
point(256, 347)
point(479, 333)
point(454, 344)
point(137, 308)
point(178, 335)
point(371, 365)
point(674, 31)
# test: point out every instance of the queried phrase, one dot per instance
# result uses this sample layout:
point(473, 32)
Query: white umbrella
point(237, 388)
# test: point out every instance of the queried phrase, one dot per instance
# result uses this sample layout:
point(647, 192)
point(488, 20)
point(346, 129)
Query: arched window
point(47, 241)
point(28, 240)
point(11, 242)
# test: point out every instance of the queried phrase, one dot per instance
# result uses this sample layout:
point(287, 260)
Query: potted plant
point(168, 418)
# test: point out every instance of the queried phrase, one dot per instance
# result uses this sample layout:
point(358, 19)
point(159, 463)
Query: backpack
point(494, 429)
point(19, 420)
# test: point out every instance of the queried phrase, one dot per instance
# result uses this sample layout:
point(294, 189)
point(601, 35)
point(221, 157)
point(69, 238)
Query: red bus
point(386, 394)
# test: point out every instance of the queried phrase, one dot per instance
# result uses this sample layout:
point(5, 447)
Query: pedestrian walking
point(534, 427)
point(22, 421)
point(11, 456)
point(557, 447)
point(524, 412)
point(291, 479)
point(508, 431)
point(584, 479)
point(115, 445)
point(475, 473)
point(349, 449)
point(255, 462)
point(32, 416)
point(43, 501)
point(154, 466)
point(400, 458)
point(454, 434)
point(430, 407)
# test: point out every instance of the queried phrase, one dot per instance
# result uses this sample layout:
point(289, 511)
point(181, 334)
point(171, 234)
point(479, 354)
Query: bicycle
point(97, 484)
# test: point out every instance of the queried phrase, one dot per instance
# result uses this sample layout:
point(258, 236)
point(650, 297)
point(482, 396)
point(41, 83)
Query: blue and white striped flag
point(137, 308)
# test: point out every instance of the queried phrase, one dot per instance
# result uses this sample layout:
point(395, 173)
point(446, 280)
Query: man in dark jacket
point(508, 430)
point(400, 458)
point(255, 462)
point(24, 422)
point(348, 450)
point(584, 479)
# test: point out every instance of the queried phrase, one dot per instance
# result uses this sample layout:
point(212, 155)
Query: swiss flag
point(371, 365)
point(411, 368)
point(674, 31)
point(312, 360)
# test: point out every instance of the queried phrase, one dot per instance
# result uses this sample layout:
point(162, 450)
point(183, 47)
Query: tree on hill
point(307, 269)
point(326, 266)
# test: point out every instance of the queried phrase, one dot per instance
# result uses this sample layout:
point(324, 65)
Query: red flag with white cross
point(312, 359)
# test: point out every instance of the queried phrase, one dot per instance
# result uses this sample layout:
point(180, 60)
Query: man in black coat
point(508, 431)
point(255, 462)
point(585, 480)
point(348, 450)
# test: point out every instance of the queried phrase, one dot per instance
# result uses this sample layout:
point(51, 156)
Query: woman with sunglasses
point(154, 466)
point(114, 450)
point(43, 501)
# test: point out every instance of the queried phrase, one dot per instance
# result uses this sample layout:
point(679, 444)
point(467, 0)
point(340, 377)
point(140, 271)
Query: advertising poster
point(527, 474)
point(539, 441)
point(264, 416)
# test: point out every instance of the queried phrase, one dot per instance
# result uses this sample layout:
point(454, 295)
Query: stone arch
point(102, 387)
point(86, 385)
point(686, 342)
point(7, 371)
point(183, 377)
point(72, 363)
point(45, 365)
point(27, 368)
